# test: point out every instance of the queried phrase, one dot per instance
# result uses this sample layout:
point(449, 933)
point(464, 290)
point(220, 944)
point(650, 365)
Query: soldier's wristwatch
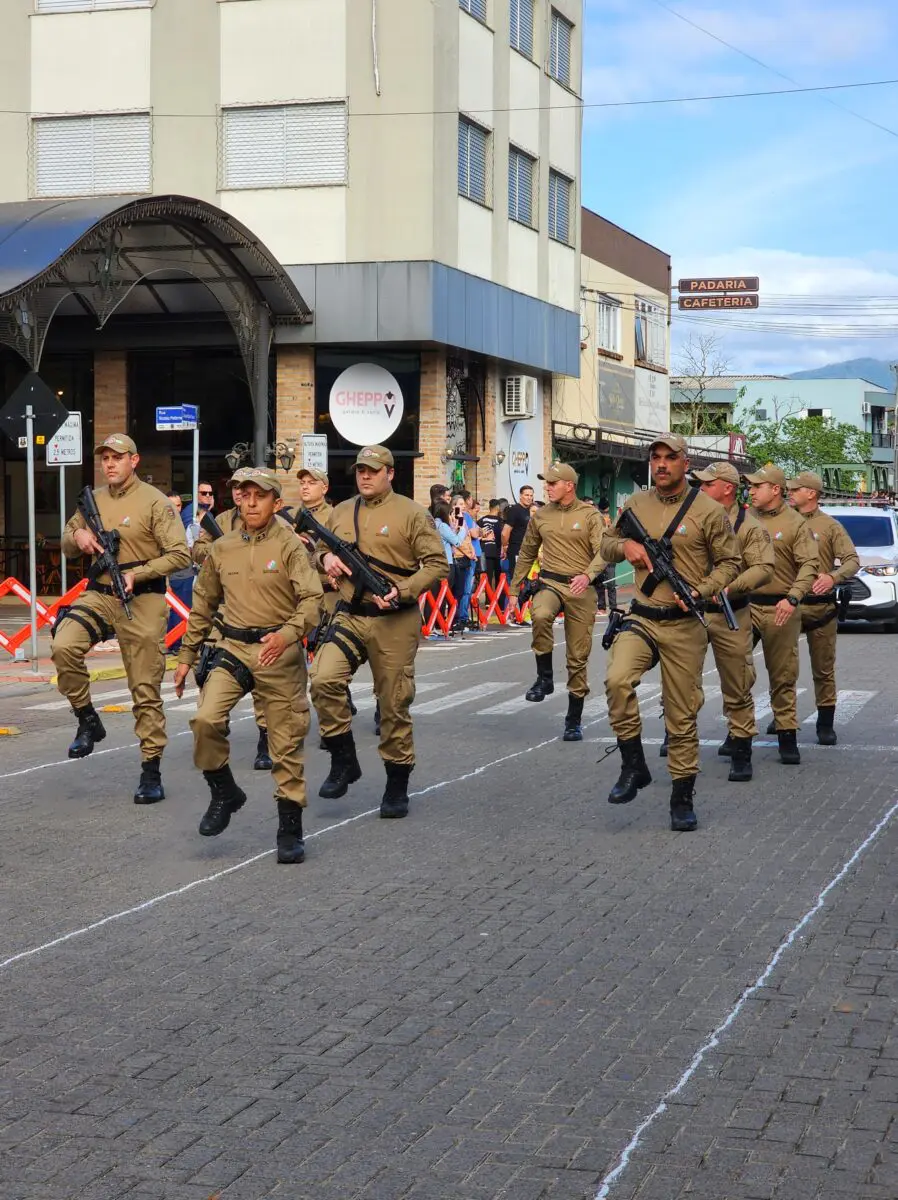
point(792, 601)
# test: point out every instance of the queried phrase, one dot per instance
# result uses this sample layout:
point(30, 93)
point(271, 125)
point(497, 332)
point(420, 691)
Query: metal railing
point(584, 442)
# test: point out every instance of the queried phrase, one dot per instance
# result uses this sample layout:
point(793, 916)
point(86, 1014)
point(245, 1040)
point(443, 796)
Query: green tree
point(796, 443)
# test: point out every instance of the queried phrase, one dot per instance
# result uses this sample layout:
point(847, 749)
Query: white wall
point(298, 225)
point(563, 278)
point(475, 238)
point(91, 62)
point(523, 259)
point(280, 50)
point(522, 443)
point(524, 104)
point(475, 69)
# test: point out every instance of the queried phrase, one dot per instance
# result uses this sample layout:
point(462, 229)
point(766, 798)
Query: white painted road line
point(465, 696)
point(848, 704)
point(763, 708)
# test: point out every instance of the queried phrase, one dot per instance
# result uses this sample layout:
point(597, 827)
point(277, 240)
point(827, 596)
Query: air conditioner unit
point(865, 409)
point(520, 397)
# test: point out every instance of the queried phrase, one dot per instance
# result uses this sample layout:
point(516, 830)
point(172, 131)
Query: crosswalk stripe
point(516, 704)
point(848, 704)
point(764, 709)
point(104, 698)
point(466, 696)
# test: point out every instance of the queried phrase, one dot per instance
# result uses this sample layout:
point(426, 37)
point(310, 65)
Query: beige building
point(348, 217)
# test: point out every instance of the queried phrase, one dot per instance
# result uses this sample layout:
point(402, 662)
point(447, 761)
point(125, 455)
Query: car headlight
point(886, 569)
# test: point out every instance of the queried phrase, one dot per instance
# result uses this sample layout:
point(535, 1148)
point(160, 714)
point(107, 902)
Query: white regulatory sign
point(314, 452)
point(366, 404)
point(64, 447)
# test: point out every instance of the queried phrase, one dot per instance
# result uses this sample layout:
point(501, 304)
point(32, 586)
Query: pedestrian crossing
point(848, 704)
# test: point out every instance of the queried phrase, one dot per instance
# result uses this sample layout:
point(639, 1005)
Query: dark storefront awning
point(588, 443)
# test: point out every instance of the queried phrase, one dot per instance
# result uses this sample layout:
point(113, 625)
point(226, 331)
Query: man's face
point(177, 503)
point(236, 493)
point(765, 496)
point(445, 497)
point(207, 496)
point(804, 499)
point(668, 468)
point(373, 481)
point(118, 468)
point(719, 490)
point(312, 491)
point(527, 497)
point(561, 491)
point(257, 505)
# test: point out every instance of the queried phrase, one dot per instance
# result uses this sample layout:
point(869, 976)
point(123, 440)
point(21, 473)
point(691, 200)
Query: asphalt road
point(518, 992)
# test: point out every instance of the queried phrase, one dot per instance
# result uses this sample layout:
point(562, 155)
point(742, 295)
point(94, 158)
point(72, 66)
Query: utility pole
point(894, 367)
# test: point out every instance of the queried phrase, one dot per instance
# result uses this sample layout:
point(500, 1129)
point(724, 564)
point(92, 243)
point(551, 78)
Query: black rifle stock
point(363, 576)
point(106, 562)
point(661, 557)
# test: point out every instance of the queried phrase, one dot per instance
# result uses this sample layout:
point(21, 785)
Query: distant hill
point(875, 370)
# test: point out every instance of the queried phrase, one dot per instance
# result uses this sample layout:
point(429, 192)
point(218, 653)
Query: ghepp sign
point(366, 404)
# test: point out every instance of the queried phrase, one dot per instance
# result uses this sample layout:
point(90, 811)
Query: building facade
point(411, 181)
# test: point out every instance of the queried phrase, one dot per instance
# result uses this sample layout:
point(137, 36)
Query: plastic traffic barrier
point(45, 615)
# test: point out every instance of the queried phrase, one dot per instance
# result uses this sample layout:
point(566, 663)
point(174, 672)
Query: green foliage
point(801, 443)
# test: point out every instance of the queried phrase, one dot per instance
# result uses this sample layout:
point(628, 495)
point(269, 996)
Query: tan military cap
point(240, 474)
point(672, 441)
point(718, 470)
point(559, 470)
point(769, 474)
point(374, 456)
point(118, 443)
point(266, 480)
point(313, 473)
point(806, 479)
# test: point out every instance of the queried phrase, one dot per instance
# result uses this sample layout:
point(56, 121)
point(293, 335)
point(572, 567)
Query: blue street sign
point(181, 416)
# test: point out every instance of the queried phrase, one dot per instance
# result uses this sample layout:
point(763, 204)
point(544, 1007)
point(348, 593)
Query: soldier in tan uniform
point(260, 580)
point(567, 535)
point(818, 608)
point(658, 627)
point(775, 618)
point(732, 649)
point(400, 540)
point(152, 545)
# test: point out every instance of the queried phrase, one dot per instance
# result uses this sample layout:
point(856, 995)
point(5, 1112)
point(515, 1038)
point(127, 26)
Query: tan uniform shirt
point(833, 544)
point(568, 541)
point(797, 562)
point(705, 550)
point(758, 557)
point(396, 531)
point(259, 580)
point(226, 521)
point(150, 530)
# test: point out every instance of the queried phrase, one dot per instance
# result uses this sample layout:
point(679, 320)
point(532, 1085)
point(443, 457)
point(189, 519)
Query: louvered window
point(521, 169)
point(560, 49)
point(473, 161)
point(55, 6)
point(291, 145)
point(560, 188)
point(92, 156)
point(521, 26)
point(477, 8)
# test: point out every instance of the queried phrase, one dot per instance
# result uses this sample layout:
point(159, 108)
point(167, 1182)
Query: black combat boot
point(395, 797)
point(150, 789)
point(263, 758)
point(227, 798)
point(682, 815)
point(90, 731)
point(573, 731)
point(345, 767)
point(352, 708)
point(634, 772)
point(665, 745)
point(771, 728)
point(725, 749)
point(290, 844)
point(377, 718)
point(826, 735)
point(740, 768)
point(544, 685)
point(788, 740)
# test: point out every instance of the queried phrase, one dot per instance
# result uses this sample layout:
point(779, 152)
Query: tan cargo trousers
point(579, 620)
point(280, 691)
point(822, 648)
point(681, 647)
point(142, 643)
point(733, 657)
point(780, 646)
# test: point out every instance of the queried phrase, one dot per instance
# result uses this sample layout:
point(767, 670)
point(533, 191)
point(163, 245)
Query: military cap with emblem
point(557, 471)
point(240, 474)
point(806, 479)
point(672, 441)
point(118, 443)
point(768, 474)
point(374, 456)
point(718, 470)
point(266, 480)
point(313, 473)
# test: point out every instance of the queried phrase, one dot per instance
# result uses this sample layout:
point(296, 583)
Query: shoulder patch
point(430, 521)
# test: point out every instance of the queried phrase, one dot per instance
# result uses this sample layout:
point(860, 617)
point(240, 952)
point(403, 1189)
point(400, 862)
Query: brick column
point(486, 471)
point(294, 407)
point(549, 387)
point(431, 425)
point(110, 399)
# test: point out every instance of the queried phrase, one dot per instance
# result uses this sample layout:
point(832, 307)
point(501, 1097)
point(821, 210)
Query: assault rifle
point(661, 557)
point(209, 525)
point(363, 576)
point(106, 562)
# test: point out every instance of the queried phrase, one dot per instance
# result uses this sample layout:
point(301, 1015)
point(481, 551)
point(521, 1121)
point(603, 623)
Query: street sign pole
point(196, 467)
point(32, 538)
point(62, 562)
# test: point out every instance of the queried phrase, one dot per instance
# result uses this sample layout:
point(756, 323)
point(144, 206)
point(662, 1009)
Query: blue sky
point(791, 188)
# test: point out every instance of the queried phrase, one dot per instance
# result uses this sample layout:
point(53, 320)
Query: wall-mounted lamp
point(498, 458)
point(284, 453)
point(240, 453)
point(449, 453)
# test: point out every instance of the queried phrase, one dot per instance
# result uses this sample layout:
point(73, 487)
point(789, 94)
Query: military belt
point(766, 601)
point(671, 613)
point(712, 606)
point(367, 608)
point(154, 586)
point(248, 635)
point(826, 598)
point(557, 578)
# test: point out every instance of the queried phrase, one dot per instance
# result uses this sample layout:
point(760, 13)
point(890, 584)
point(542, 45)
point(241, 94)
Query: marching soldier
point(567, 536)
point(775, 618)
point(659, 628)
point(818, 608)
point(399, 539)
point(732, 649)
point(228, 520)
point(260, 580)
point(152, 545)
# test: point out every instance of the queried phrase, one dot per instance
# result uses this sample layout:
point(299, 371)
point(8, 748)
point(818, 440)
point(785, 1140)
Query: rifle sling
point(405, 572)
point(653, 580)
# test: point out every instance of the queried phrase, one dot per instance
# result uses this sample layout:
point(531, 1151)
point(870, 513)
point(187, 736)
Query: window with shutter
point(473, 161)
point(608, 324)
point(56, 6)
point(99, 155)
point(291, 145)
point(560, 188)
point(477, 8)
point(651, 342)
point(521, 26)
point(521, 170)
point(560, 48)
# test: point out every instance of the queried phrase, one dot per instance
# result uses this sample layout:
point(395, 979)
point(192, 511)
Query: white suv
point(874, 530)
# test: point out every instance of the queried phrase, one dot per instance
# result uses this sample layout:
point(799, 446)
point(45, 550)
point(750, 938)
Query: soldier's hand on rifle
point(86, 542)
point(180, 678)
point(128, 581)
point(682, 603)
point(579, 584)
point(823, 584)
point(384, 601)
point(636, 555)
point(334, 567)
point(273, 646)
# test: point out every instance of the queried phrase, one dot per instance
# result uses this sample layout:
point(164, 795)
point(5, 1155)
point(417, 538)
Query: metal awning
point(580, 443)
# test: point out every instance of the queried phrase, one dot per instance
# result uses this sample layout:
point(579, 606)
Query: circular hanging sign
point(366, 404)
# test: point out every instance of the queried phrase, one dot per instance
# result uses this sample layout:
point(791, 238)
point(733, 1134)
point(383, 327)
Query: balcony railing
point(884, 441)
point(584, 443)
